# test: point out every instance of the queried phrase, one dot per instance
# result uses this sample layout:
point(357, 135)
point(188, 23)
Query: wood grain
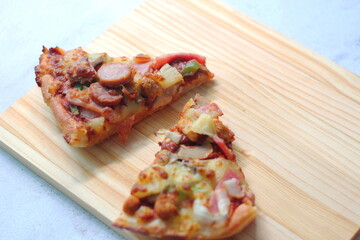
point(296, 116)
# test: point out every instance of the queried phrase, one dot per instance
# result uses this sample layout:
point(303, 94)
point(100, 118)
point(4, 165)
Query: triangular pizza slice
point(194, 189)
point(94, 96)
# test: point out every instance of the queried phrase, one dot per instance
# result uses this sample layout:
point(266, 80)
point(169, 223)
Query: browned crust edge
point(243, 216)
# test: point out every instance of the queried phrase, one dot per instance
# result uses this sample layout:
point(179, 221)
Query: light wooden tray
point(296, 116)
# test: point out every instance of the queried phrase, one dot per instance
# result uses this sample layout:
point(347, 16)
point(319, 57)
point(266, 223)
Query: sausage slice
point(105, 96)
point(114, 74)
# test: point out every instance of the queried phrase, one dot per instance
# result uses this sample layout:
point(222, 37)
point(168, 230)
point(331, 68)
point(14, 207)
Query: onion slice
point(173, 157)
point(174, 136)
point(194, 152)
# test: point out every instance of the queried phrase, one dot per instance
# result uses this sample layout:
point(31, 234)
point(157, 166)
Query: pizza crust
point(241, 218)
point(79, 132)
point(194, 189)
point(75, 132)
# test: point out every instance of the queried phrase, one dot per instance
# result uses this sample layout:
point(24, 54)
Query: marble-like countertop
point(31, 208)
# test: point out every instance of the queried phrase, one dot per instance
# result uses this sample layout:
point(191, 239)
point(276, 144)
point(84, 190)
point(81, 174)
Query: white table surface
point(30, 208)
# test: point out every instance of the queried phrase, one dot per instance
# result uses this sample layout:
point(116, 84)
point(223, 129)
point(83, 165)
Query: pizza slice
point(194, 189)
point(94, 96)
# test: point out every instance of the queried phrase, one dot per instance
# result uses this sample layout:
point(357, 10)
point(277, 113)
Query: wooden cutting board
point(296, 116)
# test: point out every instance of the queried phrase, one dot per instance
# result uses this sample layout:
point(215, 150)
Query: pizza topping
point(191, 114)
point(220, 205)
point(80, 86)
point(184, 125)
point(201, 190)
point(138, 188)
point(179, 65)
point(162, 157)
point(142, 67)
point(150, 89)
point(229, 174)
point(169, 145)
point(114, 74)
point(82, 99)
point(96, 58)
point(171, 76)
point(163, 174)
point(142, 58)
point(130, 91)
point(55, 50)
point(234, 188)
point(165, 206)
point(77, 95)
point(210, 108)
point(210, 174)
point(88, 114)
point(173, 157)
point(224, 132)
point(190, 68)
point(131, 205)
point(224, 148)
point(74, 110)
point(204, 125)
point(173, 136)
point(202, 213)
point(188, 105)
point(223, 203)
point(169, 58)
point(145, 214)
point(77, 66)
point(225, 176)
point(105, 96)
point(96, 123)
point(194, 152)
point(213, 206)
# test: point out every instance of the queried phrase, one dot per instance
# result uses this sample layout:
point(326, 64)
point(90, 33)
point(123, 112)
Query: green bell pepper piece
point(190, 68)
point(74, 110)
point(80, 86)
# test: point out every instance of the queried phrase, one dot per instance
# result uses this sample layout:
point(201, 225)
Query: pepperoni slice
point(104, 96)
point(114, 74)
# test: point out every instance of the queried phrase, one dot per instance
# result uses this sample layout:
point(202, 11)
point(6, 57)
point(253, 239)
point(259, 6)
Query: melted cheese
point(223, 205)
point(195, 216)
point(132, 108)
point(202, 213)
